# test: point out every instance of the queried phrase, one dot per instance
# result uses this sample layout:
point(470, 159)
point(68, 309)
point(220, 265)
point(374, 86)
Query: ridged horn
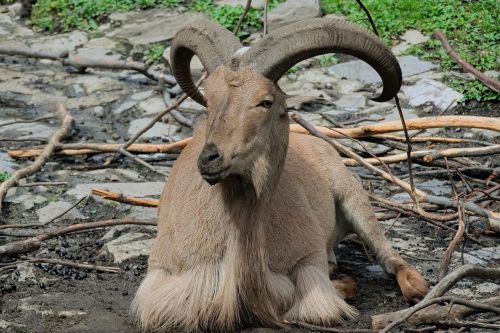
point(210, 42)
point(273, 55)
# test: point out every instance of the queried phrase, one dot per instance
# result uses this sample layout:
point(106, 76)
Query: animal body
point(250, 214)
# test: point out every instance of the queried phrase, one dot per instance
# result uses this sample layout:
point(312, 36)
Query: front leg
point(316, 301)
point(354, 209)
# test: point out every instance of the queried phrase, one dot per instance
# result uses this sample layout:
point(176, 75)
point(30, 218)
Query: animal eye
point(266, 104)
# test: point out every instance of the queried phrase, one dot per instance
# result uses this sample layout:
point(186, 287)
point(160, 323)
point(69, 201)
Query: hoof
point(412, 284)
point(346, 287)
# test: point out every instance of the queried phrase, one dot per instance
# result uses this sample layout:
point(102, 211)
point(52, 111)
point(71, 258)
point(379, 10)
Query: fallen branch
point(105, 269)
point(431, 154)
point(337, 133)
point(316, 328)
point(443, 269)
point(424, 304)
point(63, 131)
point(492, 83)
point(34, 243)
point(382, 320)
point(125, 199)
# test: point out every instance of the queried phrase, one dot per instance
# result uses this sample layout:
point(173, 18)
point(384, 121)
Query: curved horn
point(210, 42)
point(273, 55)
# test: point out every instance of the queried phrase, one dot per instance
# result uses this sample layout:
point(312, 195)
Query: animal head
point(247, 124)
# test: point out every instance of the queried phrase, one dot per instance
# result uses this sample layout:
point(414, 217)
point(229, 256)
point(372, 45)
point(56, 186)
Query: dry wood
point(431, 155)
point(44, 184)
point(433, 139)
point(105, 269)
point(63, 131)
point(125, 199)
point(492, 83)
point(443, 269)
point(34, 243)
point(316, 328)
point(338, 133)
point(32, 53)
point(26, 121)
point(429, 312)
point(493, 217)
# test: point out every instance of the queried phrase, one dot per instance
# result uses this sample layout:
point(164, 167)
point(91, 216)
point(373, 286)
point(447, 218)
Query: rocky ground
point(111, 106)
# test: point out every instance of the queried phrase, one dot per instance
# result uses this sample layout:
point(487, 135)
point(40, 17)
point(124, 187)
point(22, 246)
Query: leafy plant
point(155, 51)
point(4, 176)
point(327, 60)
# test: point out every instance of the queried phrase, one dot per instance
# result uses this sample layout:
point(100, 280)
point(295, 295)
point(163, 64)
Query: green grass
point(154, 52)
point(66, 15)
point(4, 176)
point(470, 26)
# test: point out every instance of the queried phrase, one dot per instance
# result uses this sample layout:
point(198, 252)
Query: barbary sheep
point(250, 214)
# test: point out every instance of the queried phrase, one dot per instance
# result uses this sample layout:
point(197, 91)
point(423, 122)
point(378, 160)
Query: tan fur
point(253, 248)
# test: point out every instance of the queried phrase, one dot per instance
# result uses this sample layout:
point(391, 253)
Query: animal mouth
point(214, 176)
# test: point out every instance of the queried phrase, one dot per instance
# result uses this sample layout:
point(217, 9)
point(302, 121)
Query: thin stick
point(443, 269)
point(44, 184)
point(266, 9)
point(242, 17)
point(424, 304)
point(105, 269)
point(316, 328)
point(125, 199)
point(63, 131)
point(25, 121)
point(492, 83)
point(32, 244)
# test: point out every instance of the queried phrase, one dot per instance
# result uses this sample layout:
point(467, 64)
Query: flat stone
point(26, 131)
point(430, 91)
point(158, 130)
point(7, 163)
point(139, 96)
point(352, 102)
point(154, 30)
point(487, 253)
point(152, 106)
point(24, 273)
point(97, 84)
point(54, 209)
point(27, 200)
point(128, 246)
point(292, 11)
point(141, 190)
point(361, 71)
point(62, 42)
point(410, 38)
point(121, 107)
point(4, 324)
point(487, 288)
point(75, 90)
point(145, 213)
point(102, 49)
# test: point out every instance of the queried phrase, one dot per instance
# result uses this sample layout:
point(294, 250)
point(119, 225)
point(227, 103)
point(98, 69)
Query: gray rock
point(26, 131)
point(121, 107)
point(75, 90)
point(97, 110)
point(142, 95)
point(292, 11)
point(128, 246)
point(487, 288)
point(143, 213)
point(154, 30)
point(430, 91)
point(352, 102)
point(158, 130)
point(8, 324)
point(6, 24)
point(25, 273)
point(13, 98)
point(409, 39)
point(54, 209)
point(100, 49)
point(360, 70)
point(28, 200)
point(7, 164)
point(63, 42)
point(487, 253)
point(141, 190)
point(152, 106)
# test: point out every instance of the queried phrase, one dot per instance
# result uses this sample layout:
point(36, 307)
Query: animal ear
point(210, 42)
point(277, 52)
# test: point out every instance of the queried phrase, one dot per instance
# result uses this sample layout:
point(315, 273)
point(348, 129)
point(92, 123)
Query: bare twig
point(25, 121)
point(125, 199)
point(44, 184)
point(266, 10)
point(242, 17)
point(34, 243)
point(105, 269)
point(317, 328)
point(492, 83)
point(443, 270)
point(63, 131)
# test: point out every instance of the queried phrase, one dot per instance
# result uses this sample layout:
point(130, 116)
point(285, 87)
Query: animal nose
point(210, 155)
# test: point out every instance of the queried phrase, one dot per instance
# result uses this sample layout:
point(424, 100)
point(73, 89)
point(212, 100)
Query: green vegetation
point(66, 15)
point(471, 27)
point(154, 51)
point(228, 16)
point(327, 60)
point(4, 176)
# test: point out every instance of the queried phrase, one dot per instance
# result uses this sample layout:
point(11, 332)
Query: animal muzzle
point(211, 164)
